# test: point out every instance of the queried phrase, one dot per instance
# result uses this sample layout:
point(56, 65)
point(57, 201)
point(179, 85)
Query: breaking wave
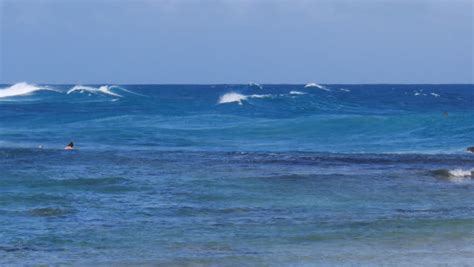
point(21, 89)
point(255, 85)
point(297, 93)
point(421, 93)
point(456, 175)
point(105, 89)
point(234, 97)
point(461, 173)
point(315, 85)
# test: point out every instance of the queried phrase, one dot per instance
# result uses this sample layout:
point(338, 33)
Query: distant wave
point(20, 89)
point(315, 85)
point(460, 173)
point(297, 93)
point(255, 85)
point(234, 97)
point(105, 89)
point(231, 98)
point(260, 96)
point(23, 88)
point(457, 175)
point(421, 93)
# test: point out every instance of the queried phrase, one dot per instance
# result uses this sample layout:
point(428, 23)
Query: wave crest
point(105, 89)
point(461, 173)
point(234, 97)
point(455, 175)
point(21, 89)
point(231, 98)
point(297, 93)
point(315, 85)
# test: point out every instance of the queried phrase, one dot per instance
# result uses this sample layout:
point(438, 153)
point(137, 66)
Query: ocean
point(236, 175)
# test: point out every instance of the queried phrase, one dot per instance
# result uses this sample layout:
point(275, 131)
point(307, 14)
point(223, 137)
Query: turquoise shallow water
point(237, 175)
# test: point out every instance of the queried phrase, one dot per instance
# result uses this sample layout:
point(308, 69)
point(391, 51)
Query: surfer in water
point(70, 146)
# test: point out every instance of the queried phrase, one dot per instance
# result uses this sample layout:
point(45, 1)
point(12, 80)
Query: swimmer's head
point(70, 146)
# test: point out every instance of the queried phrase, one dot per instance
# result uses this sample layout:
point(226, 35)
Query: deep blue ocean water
point(236, 174)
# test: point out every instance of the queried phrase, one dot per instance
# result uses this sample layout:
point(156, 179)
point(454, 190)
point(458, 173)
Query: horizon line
point(247, 83)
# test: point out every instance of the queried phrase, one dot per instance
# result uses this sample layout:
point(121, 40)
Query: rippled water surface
point(236, 174)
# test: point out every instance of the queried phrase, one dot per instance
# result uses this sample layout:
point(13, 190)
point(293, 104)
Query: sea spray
point(21, 89)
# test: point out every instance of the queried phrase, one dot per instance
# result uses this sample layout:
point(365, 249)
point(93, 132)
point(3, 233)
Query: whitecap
point(102, 89)
point(455, 175)
point(260, 96)
point(23, 88)
point(315, 85)
point(435, 94)
point(344, 90)
point(232, 97)
point(460, 173)
point(297, 93)
point(252, 84)
point(418, 93)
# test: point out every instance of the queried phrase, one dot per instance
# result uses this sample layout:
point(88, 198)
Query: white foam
point(310, 85)
point(231, 98)
point(345, 90)
point(21, 89)
point(252, 84)
point(260, 96)
point(461, 173)
point(102, 89)
point(435, 94)
point(418, 93)
point(297, 93)
point(234, 97)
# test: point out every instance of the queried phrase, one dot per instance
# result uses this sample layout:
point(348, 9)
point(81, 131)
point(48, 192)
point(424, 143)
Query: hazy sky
point(232, 41)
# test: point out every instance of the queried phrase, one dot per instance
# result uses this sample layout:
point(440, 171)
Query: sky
point(236, 41)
